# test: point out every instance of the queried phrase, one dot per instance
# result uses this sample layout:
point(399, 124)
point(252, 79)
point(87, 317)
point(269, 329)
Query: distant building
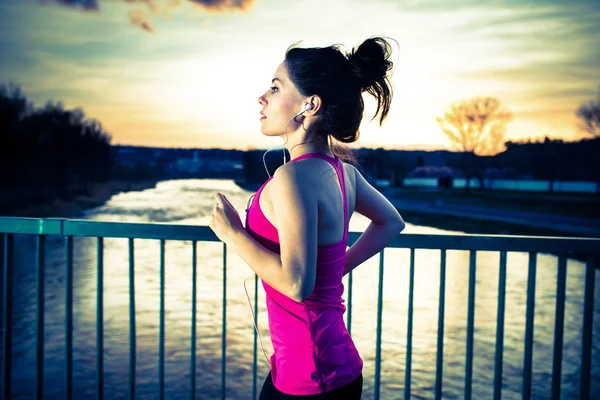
point(188, 165)
point(433, 172)
point(431, 176)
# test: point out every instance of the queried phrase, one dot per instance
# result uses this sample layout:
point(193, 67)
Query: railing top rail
point(170, 231)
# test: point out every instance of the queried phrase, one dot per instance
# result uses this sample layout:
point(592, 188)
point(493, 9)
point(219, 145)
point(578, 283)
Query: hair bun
point(370, 62)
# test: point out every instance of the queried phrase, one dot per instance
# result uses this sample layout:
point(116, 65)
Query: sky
point(188, 73)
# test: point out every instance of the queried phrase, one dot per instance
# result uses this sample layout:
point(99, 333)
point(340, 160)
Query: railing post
point(349, 310)
point(69, 317)
point(500, 328)
point(470, 325)
point(40, 294)
point(100, 319)
point(224, 328)
point(161, 333)
point(440, 340)
point(378, 337)
point(409, 329)
point(559, 326)
point(7, 261)
point(529, 319)
point(132, 335)
point(193, 344)
point(588, 322)
point(255, 356)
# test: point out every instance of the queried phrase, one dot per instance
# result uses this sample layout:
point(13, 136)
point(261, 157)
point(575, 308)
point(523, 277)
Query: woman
point(297, 225)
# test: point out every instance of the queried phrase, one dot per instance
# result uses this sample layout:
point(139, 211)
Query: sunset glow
point(194, 81)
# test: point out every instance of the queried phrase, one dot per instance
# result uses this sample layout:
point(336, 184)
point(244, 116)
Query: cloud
point(223, 5)
point(141, 18)
point(210, 5)
point(86, 5)
point(459, 5)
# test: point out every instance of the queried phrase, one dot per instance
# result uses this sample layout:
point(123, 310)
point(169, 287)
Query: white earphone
point(306, 107)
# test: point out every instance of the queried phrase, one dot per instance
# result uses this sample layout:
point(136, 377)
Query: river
point(190, 202)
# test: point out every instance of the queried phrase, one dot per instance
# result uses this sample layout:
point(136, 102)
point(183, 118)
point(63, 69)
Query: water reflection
point(190, 202)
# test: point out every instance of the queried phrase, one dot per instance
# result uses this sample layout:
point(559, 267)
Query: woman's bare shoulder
point(295, 173)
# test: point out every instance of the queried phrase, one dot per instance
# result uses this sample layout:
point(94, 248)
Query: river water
point(190, 202)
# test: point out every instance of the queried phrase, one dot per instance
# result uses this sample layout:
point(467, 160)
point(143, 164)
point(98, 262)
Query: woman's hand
point(225, 221)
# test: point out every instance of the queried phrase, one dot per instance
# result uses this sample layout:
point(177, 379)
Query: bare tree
point(589, 114)
point(476, 125)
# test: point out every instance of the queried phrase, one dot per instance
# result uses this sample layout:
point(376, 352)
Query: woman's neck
point(307, 147)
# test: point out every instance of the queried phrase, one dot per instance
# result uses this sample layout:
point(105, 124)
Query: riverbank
point(515, 213)
point(482, 212)
point(74, 205)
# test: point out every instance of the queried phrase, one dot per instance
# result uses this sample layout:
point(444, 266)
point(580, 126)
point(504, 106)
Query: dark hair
point(340, 79)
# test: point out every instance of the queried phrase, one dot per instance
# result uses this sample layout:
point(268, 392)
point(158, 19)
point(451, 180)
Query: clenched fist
point(225, 222)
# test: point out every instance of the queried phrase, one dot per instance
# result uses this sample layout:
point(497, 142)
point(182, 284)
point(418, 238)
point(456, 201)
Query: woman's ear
point(316, 103)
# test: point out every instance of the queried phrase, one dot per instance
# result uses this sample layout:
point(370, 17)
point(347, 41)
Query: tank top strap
point(338, 165)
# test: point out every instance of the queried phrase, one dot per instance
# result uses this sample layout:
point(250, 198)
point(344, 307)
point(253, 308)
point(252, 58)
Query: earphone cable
point(283, 145)
point(254, 322)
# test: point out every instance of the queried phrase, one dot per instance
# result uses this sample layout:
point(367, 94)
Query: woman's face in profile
point(279, 103)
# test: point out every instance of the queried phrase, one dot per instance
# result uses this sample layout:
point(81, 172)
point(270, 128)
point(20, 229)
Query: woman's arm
point(386, 224)
point(293, 272)
point(227, 225)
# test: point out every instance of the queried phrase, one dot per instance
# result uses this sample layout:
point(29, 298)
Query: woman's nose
point(261, 100)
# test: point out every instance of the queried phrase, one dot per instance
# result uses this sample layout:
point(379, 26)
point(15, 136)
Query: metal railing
point(564, 247)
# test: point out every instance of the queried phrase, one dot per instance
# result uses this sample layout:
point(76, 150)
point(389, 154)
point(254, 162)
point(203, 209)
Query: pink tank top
point(313, 352)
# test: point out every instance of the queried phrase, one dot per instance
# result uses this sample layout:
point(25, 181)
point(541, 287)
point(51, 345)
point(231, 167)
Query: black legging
point(352, 391)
